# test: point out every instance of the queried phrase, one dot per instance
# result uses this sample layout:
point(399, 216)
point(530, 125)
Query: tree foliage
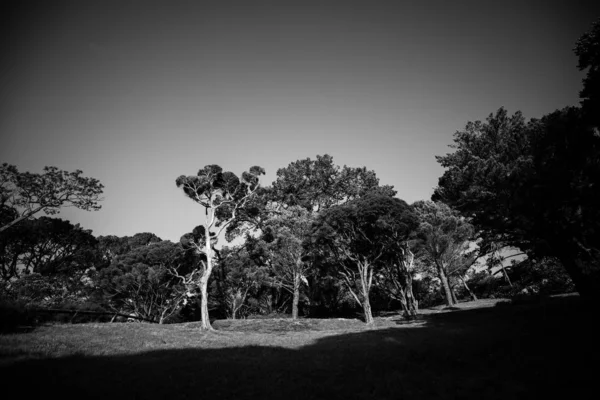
point(587, 50)
point(143, 282)
point(28, 193)
point(319, 184)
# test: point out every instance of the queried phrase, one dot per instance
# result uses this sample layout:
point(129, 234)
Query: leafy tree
point(285, 235)
point(48, 246)
point(359, 233)
point(143, 282)
point(534, 186)
point(396, 278)
point(444, 241)
point(319, 184)
point(112, 246)
point(239, 276)
point(224, 197)
point(27, 193)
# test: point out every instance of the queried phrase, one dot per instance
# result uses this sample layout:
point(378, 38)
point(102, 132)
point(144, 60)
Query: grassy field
point(481, 351)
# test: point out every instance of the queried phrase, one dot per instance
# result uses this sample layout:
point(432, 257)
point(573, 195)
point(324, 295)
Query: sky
point(136, 94)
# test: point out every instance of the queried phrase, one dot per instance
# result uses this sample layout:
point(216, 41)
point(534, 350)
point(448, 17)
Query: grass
point(481, 351)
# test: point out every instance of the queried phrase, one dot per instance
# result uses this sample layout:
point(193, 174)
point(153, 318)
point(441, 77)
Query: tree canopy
point(28, 193)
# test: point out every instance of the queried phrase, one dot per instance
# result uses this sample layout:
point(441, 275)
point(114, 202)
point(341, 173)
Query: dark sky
point(138, 93)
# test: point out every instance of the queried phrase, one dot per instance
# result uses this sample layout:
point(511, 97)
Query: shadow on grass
point(504, 352)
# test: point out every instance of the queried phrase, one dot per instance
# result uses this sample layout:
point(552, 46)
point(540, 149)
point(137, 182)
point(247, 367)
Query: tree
point(396, 278)
point(28, 193)
point(47, 246)
point(532, 185)
point(144, 281)
point(239, 276)
point(223, 196)
point(587, 50)
point(319, 184)
point(285, 235)
point(444, 240)
point(359, 233)
point(112, 246)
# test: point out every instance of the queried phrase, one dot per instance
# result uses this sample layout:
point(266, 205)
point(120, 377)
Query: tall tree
point(532, 185)
point(359, 233)
point(28, 193)
point(319, 184)
point(444, 240)
point(223, 196)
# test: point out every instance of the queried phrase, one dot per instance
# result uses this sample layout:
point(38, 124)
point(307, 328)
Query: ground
point(482, 350)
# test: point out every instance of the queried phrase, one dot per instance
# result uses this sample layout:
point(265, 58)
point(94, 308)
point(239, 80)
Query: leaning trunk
point(454, 298)
point(471, 293)
point(296, 298)
point(445, 285)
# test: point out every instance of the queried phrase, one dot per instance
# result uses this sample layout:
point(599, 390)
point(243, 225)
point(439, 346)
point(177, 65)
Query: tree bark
point(366, 288)
point(205, 325)
point(21, 218)
point(296, 298)
point(445, 285)
point(411, 305)
point(453, 292)
point(471, 293)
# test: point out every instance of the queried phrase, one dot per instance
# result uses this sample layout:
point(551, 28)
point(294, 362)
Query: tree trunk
point(205, 325)
point(296, 298)
point(454, 298)
point(445, 285)
point(367, 311)
point(365, 282)
point(505, 275)
point(411, 304)
point(471, 293)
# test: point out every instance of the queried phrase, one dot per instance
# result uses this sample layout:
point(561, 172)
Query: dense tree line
point(325, 240)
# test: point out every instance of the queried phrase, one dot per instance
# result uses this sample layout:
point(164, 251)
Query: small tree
point(27, 193)
point(285, 234)
point(238, 277)
point(444, 240)
point(224, 197)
